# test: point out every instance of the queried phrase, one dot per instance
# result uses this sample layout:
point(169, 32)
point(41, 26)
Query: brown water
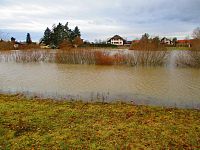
point(163, 86)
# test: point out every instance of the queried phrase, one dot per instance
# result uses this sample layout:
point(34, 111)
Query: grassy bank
point(178, 48)
point(47, 124)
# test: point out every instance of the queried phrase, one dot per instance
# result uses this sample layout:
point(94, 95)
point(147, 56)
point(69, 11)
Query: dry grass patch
point(48, 124)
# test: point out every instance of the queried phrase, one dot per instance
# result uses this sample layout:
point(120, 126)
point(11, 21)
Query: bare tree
point(196, 33)
point(4, 36)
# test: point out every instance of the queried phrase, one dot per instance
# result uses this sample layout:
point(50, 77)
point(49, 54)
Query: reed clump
point(149, 51)
point(135, 58)
point(150, 58)
point(85, 56)
point(103, 58)
point(26, 56)
point(75, 57)
point(190, 58)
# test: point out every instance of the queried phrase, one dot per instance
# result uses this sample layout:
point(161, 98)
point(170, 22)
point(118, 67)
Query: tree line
point(61, 35)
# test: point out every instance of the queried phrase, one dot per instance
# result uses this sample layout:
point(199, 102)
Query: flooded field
point(162, 86)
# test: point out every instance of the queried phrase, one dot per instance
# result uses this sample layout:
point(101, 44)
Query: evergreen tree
point(66, 31)
point(77, 32)
point(59, 33)
point(12, 39)
point(47, 36)
point(71, 35)
point(174, 40)
point(28, 38)
point(156, 40)
point(145, 36)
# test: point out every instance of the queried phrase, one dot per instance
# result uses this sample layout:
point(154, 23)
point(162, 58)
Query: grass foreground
point(48, 124)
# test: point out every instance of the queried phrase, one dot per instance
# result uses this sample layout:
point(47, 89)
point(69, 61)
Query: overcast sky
point(100, 19)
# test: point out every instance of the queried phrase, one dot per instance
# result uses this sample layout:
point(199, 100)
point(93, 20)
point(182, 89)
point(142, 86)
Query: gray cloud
point(103, 18)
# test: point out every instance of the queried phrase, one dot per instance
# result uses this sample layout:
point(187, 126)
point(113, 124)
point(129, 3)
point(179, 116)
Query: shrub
point(102, 58)
point(6, 45)
point(148, 45)
point(195, 45)
point(65, 45)
point(28, 46)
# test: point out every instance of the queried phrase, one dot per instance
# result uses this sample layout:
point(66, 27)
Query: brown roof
point(116, 37)
point(136, 41)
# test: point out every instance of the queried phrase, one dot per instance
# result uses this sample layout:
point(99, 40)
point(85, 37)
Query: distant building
point(135, 41)
point(16, 45)
point(44, 46)
point(184, 43)
point(127, 43)
point(116, 40)
point(166, 41)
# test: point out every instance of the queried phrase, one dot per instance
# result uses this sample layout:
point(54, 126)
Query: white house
point(166, 41)
point(116, 40)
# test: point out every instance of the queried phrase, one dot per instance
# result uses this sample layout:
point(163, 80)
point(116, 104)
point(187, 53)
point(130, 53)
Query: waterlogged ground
point(161, 86)
point(47, 124)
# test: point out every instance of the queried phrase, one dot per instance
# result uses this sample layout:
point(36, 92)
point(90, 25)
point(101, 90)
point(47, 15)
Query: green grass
point(178, 48)
point(47, 124)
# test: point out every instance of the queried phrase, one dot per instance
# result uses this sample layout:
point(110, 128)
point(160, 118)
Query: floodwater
point(160, 86)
